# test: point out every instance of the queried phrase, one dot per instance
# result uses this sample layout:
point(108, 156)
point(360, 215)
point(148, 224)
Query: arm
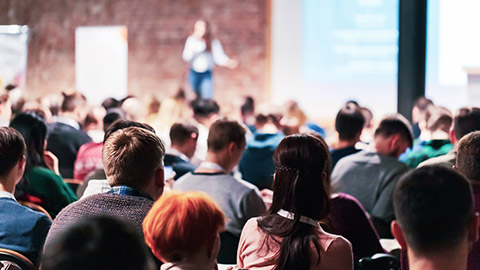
point(219, 56)
point(338, 256)
point(188, 50)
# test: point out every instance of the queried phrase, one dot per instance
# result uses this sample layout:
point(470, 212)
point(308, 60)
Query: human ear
point(398, 234)
point(473, 233)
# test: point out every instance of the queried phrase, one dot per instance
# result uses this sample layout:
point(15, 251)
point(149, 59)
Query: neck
point(203, 120)
point(179, 149)
point(344, 144)
point(199, 260)
point(439, 135)
point(449, 260)
point(215, 158)
point(7, 186)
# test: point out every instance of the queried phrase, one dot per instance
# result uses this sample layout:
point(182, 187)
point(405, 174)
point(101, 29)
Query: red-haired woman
point(182, 230)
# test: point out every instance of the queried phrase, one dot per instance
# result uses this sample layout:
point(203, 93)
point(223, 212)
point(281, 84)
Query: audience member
point(97, 243)
point(89, 156)
point(420, 115)
point(288, 235)
point(205, 113)
point(349, 124)
point(93, 124)
point(133, 161)
point(5, 109)
point(371, 175)
point(110, 103)
point(256, 164)
point(96, 181)
point(172, 110)
point(41, 182)
point(438, 143)
point(468, 163)
point(238, 199)
point(247, 111)
point(135, 109)
point(436, 223)
point(186, 239)
point(21, 229)
point(466, 120)
point(295, 121)
point(65, 136)
point(183, 137)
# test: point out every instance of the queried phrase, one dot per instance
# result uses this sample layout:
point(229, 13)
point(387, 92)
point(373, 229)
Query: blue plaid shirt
point(129, 191)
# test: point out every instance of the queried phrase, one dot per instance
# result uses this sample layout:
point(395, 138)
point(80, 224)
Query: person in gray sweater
point(133, 161)
point(238, 199)
point(370, 175)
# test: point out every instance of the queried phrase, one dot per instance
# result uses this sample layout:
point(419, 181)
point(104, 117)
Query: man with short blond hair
point(133, 161)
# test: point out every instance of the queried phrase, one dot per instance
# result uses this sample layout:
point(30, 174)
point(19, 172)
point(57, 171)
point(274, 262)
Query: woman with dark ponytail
point(289, 235)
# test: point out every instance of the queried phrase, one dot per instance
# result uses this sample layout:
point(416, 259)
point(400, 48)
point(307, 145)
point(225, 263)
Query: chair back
point(35, 207)
point(228, 248)
point(13, 260)
point(379, 261)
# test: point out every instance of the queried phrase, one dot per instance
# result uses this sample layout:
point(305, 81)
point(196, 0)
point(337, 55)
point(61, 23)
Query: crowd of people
point(174, 184)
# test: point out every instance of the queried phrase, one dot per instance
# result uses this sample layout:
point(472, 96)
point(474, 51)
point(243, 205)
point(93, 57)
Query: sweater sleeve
point(52, 187)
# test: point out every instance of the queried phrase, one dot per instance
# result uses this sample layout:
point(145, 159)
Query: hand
point(51, 161)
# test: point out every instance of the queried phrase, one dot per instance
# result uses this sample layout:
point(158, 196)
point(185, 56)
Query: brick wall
point(157, 30)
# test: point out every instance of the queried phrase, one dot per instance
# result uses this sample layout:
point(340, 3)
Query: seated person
point(436, 223)
point(21, 229)
point(41, 183)
point(89, 156)
point(186, 239)
point(349, 126)
point(370, 175)
point(438, 143)
point(97, 243)
point(256, 164)
point(183, 138)
point(466, 120)
point(288, 235)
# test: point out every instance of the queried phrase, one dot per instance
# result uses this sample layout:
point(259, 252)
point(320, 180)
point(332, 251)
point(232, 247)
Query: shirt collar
point(128, 191)
point(5, 194)
point(175, 152)
point(67, 121)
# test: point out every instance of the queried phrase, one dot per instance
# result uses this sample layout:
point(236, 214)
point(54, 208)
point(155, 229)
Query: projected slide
point(453, 45)
point(350, 41)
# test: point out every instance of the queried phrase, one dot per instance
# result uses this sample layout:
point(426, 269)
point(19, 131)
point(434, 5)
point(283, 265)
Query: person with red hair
point(182, 230)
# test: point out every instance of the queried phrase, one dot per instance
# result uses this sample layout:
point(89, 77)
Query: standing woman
point(41, 182)
point(288, 235)
point(202, 52)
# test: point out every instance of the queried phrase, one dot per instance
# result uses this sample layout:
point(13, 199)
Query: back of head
point(223, 132)
point(204, 107)
point(131, 156)
point(72, 101)
point(420, 110)
point(466, 120)
point(434, 207)
point(181, 132)
point(12, 148)
point(179, 225)
point(300, 187)
point(121, 124)
point(349, 122)
point(395, 124)
point(112, 115)
point(97, 243)
point(440, 119)
point(248, 106)
point(468, 156)
point(34, 130)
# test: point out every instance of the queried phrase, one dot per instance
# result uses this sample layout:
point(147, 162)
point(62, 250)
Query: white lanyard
point(211, 165)
point(303, 219)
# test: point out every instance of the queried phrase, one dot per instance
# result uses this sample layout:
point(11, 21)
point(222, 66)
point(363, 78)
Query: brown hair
point(466, 120)
point(223, 132)
point(181, 132)
point(72, 100)
point(12, 148)
point(440, 119)
point(468, 156)
point(131, 155)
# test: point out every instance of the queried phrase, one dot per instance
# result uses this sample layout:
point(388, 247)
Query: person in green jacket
point(41, 183)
